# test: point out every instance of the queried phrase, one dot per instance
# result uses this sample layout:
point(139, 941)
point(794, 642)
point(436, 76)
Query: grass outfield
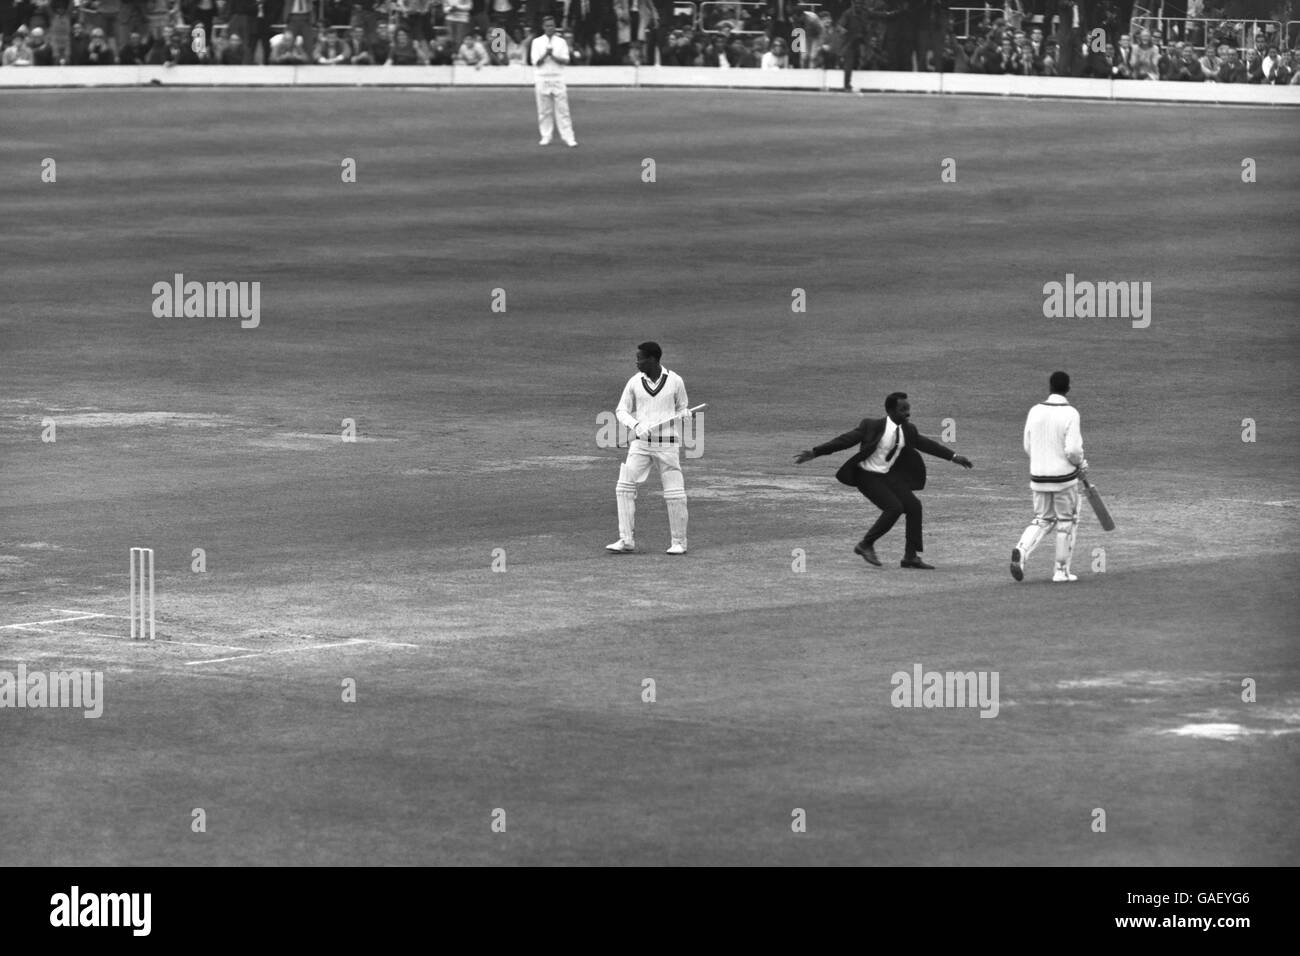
point(522, 690)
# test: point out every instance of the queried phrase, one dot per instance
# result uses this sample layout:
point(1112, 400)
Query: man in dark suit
point(887, 469)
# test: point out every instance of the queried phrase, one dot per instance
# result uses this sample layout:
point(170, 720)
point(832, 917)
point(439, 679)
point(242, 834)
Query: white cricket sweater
point(1054, 444)
point(647, 402)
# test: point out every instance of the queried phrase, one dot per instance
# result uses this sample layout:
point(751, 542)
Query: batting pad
point(625, 497)
point(677, 515)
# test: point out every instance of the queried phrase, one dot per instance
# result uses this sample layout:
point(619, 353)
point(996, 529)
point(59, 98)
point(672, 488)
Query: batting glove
point(641, 431)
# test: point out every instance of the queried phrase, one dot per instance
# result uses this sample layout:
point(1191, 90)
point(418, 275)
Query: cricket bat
point(671, 418)
point(1098, 506)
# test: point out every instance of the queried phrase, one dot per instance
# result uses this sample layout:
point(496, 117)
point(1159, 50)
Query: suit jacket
point(910, 464)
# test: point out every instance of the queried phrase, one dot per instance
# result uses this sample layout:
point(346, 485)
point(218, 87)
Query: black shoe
point(1017, 565)
point(868, 554)
point(916, 563)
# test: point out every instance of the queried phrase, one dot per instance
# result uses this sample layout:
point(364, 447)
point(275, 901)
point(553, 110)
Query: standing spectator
point(1146, 58)
point(134, 53)
point(111, 20)
point(549, 54)
point(267, 13)
point(234, 53)
point(133, 20)
point(775, 58)
point(365, 17)
point(457, 13)
point(243, 14)
point(78, 44)
point(338, 13)
point(60, 27)
point(382, 44)
point(298, 18)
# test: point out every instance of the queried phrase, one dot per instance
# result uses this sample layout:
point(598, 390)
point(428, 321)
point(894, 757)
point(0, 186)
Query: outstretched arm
point(839, 443)
point(940, 450)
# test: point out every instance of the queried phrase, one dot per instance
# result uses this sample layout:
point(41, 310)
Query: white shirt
point(639, 406)
point(876, 460)
point(553, 68)
point(1054, 444)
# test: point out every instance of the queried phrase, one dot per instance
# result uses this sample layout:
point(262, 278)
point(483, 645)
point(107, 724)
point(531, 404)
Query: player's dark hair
point(1060, 383)
point(651, 348)
point(892, 400)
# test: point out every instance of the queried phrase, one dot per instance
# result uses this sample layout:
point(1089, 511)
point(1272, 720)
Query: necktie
point(898, 434)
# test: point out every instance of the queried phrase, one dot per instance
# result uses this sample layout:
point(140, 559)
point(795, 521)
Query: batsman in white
point(1054, 444)
point(652, 396)
point(549, 55)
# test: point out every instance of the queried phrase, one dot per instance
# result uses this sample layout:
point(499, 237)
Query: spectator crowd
point(784, 34)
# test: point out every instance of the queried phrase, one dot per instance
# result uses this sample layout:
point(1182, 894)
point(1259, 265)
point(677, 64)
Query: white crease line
point(230, 647)
point(284, 650)
point(30, 627)
point(389, 643)
point(68, 610)
point(57, 620)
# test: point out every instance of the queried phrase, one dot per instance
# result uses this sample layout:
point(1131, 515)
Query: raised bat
point(1098, 506)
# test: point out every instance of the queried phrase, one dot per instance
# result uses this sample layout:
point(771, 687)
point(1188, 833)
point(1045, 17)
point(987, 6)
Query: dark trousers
point(890, 494)
point(853, 52)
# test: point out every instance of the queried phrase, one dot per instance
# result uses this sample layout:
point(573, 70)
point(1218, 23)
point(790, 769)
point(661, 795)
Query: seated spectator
point(382, 44)
point(577, 52)
point(17, 53)
point(1008, 57)
point(1232, 70)
point(1285, 71)
point(1122, 66)
point(1270, 64)
point(1171, 62)
point(472, 52)
point(1146, 58)
point(358, 48)
point(714, 55)
point(1051, 59)
point(134, 52)
point(517, 48)
point(330, 50)
point(404, 53)
point(42, 53)
point(98, 52)
point(964, 56)
point(811, 25)
point(987, 57)
point(1101, 65)
point(601, 54)
point(633, 54)
point(738, 55)
point(1190, 71)
point(1254, 67)
point(775, 58)
point(442, 52)
point(1210, 62)
point(289, 49)
point(757, 50)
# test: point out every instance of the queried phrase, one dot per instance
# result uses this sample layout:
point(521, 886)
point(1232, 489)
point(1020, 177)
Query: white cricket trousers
point(553, 111)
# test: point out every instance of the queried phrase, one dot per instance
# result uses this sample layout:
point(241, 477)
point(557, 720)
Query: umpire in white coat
point(549, 56)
